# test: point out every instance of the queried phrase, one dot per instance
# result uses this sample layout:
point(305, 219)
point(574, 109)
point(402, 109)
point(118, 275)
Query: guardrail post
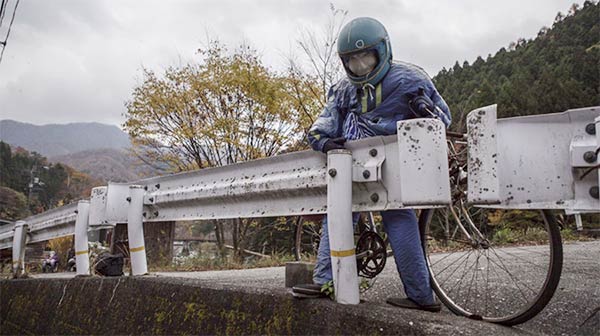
point(578, 221)
point(597, 122)
point(82, 258)
point(18, 250)
point(339, 218)
point(135, 231)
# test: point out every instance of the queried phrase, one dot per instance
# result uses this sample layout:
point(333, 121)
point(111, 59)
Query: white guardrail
point(542, 162)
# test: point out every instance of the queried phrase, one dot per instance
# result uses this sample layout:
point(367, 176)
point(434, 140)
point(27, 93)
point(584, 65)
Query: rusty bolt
point(373, 152)
point(128, 199)
point(366, 174)
point(589, 157)
point(332, 172)
point(375, 197)
point(595, 192)
point(590, 129)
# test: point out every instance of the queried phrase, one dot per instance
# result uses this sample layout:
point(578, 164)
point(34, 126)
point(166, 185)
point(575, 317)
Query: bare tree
point(320, 50)
point(318, 68)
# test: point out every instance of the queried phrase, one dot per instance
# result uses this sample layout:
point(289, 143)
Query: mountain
point(107, 164)
point(98, 150)
point(53, 140)
point(29, 183)
point(557, 70)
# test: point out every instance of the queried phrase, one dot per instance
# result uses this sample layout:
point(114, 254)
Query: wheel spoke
point(448, 255)
point(473, 277)
point(510, 275)
point(467, 257)
point(496, 272)
point(462, 277)
point(529, 250)
point(487, 281)
point(523, 260)
point(507, 284)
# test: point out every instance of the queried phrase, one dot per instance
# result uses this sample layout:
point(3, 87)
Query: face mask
point(362, 63)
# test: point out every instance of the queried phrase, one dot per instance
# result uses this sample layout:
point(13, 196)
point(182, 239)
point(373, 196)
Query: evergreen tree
point(556, 71)
point(30, 178)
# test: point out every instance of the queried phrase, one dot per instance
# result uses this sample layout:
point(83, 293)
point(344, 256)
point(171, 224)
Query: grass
point(211, 262)
point(507, 237)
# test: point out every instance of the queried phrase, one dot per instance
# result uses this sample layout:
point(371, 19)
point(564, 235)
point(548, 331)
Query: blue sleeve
point(327, 125)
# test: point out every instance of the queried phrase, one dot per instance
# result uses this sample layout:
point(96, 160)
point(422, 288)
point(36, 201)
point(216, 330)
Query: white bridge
point(535, 162)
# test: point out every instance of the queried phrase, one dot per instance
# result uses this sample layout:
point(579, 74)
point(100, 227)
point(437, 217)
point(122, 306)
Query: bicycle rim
point(508, 276)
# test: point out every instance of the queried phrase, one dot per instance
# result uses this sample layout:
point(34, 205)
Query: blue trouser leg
point(403, 233)
point(322, 272)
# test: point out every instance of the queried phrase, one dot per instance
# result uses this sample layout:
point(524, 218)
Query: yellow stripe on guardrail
point(81, 252)
point(343, 253)
point(137, 249)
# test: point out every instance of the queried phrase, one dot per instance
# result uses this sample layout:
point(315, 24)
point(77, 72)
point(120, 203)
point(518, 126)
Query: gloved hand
point(420, 104)
point(335, 143)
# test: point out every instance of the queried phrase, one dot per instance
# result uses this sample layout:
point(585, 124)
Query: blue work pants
point(403, 233)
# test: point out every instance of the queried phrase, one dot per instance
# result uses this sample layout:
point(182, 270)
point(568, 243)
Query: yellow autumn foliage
point(227, 109)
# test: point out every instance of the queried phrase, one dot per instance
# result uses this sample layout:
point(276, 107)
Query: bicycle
point(475, 255)
point(480, 259)
point(371, 242)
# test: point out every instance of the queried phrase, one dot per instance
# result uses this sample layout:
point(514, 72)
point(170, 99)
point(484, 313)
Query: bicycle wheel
point(501, 266)
point(306, 237)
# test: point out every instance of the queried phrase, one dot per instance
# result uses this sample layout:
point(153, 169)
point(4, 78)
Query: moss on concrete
point(141, 305)
point(171, 306)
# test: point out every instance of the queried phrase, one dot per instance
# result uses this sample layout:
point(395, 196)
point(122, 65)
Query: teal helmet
point(360, 36)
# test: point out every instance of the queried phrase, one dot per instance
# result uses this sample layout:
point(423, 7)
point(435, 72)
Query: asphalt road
point(572, 310)
point(575, 300)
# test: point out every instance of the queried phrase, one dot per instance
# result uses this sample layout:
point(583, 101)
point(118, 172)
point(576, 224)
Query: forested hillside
point(29, 184)
point(556, 71)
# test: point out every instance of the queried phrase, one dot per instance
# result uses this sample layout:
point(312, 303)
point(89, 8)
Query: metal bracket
point(108, 205)
point(482, 140)
point(423, 162)
point(583, 151)
point(368, 168)
point(97, 212)
point(537, 161)
point(368, 158)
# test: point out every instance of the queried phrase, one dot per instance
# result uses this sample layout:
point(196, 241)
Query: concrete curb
point(161, 305)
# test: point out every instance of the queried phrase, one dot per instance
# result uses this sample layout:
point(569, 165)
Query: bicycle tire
point(505, 316)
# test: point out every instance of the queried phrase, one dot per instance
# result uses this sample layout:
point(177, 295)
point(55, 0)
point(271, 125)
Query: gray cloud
point(70, 61)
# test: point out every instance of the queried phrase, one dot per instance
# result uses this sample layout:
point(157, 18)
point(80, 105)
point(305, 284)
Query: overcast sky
point(78, 61)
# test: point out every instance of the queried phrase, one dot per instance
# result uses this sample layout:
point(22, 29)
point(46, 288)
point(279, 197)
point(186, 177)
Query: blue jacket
point(354, 112)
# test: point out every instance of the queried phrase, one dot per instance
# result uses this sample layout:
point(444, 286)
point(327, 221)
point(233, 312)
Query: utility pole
point(34, 181)
point(31, 185)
